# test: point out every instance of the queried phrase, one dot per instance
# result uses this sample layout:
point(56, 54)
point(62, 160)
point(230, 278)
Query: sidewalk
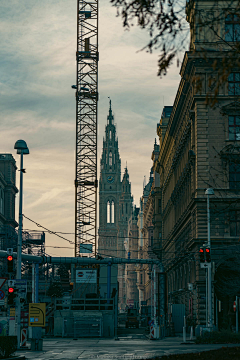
point(107, 349)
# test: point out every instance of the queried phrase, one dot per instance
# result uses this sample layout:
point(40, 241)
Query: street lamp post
point(22, 149)
point(209, 192)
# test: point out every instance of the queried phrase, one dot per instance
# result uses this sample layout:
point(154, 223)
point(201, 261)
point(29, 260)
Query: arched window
point(108, 212)
point(110, 135)
point(110, 158)
point(126, 208)
point(112, 213)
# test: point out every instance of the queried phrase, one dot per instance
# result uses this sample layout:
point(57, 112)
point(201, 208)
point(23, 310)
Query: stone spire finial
point(110, 116)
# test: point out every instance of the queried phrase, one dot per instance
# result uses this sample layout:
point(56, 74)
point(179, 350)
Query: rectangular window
point(235, 223)
point(234, 176)
point(232, 28)
point(234, 84)
point(234, 127)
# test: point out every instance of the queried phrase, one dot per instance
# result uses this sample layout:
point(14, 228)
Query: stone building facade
point(199, 149)
point(8, 193)
point(131, 247)
point(115, 204)
point(149, 226)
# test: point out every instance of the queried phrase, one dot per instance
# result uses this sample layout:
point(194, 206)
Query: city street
point(130, 347)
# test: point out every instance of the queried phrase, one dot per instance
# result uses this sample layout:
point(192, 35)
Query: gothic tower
point(109, 191)
point(115, 204)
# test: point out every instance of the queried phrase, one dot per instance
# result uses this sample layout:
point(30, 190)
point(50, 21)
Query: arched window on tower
point(110, 158)
point(110, 135)
point(112, 212)
point(108, 212)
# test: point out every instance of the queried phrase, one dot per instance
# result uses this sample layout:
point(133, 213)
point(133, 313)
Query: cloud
point(38, 67)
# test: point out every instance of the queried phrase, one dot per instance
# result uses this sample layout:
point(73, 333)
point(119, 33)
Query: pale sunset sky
point(38, 67)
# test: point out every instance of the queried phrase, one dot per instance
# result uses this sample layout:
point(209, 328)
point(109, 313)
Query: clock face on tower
point(110, 179)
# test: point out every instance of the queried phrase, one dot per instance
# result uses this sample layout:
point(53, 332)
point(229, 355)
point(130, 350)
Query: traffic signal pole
point(208, 193)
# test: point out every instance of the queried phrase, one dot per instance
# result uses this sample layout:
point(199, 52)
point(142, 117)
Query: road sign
point(86, 276)
point(11, 283)
point(205, 265)
point(10, 251)
point(37, 313)
point(2, 294)
point(234, 306)
point(24, 337)
point(21, 286)
point(12, 312)
point(2, 281)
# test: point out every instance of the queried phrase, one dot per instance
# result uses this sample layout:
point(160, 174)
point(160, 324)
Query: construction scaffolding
point(86, 127)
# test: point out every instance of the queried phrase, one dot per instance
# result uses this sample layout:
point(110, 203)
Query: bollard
point(191, 333)
point(184, 330)
point(184, 334)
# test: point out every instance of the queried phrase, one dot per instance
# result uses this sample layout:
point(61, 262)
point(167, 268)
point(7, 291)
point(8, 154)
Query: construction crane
point(86, 127)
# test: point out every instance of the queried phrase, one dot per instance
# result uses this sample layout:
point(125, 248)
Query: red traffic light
point(201, 255)
point(10, 290)
point(207, 250)
point(10, 258)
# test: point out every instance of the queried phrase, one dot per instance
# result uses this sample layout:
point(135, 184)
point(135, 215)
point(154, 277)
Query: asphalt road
point(129, 347)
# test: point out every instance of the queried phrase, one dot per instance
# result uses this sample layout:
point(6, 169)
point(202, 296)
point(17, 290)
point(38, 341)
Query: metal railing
point(85, 304)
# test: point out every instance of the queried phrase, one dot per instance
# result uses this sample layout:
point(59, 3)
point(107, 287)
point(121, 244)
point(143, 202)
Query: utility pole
point(209, 192)
point(22, 149)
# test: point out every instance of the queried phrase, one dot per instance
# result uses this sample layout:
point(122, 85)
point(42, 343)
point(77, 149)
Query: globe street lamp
point(22, 149)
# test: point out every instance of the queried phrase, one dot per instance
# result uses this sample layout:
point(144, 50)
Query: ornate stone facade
point(149, 225)
point(199, 149)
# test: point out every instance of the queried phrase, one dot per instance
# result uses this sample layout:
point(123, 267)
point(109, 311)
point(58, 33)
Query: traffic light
point(208, 254)
point(201, 255)
point(10, 263)
point(71, 286)
point(11, 295)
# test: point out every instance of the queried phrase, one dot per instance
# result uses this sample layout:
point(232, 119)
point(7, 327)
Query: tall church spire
point(110, 116)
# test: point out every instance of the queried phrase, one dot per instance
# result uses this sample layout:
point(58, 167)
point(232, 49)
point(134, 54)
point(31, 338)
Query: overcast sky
point(37, 67)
